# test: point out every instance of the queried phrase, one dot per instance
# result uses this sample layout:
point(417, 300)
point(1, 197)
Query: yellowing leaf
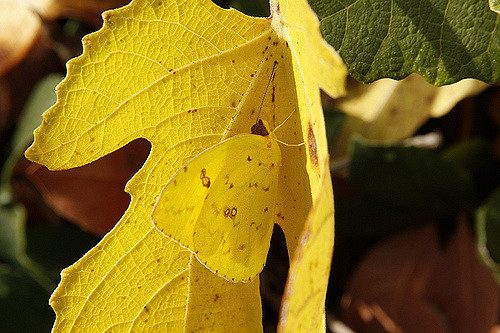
point(390, 111)
point(185, 76)
point(304, 300)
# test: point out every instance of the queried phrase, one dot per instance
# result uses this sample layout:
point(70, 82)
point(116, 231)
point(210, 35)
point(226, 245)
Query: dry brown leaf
point(89, 10)
point(463, 287)
point(20, 28)
point(92, 196)
point(407, 284)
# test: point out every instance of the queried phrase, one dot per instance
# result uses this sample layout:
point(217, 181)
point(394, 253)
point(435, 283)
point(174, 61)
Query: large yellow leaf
point(185, 76)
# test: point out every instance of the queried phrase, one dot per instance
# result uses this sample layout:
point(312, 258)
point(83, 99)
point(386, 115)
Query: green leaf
point(23, 303)
point(334, 121)
point(477, 156)
point(443, 40)
point(420, 180)
point(57, 246)
point(41, 99)
point(13, 216)
point(13, 246)
point(488, 232)
point(367, 217)
point(12, 237)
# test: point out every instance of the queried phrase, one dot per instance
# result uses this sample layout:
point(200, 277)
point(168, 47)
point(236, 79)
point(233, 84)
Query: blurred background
point(415, 168)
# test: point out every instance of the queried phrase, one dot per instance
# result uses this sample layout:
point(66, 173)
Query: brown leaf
point(20, 29)
point(407, 284)
point(89, 11)
point(92, 196)
point(463, 287)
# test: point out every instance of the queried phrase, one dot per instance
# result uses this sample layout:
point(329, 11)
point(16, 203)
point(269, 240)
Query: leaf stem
point(36, 272)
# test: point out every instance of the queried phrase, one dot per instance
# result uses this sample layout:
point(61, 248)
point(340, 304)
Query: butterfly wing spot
point(205, 181)
point(231, 212)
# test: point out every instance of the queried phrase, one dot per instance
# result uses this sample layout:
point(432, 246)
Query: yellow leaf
point(185, 76)
point(390, 111)
point(303, 304)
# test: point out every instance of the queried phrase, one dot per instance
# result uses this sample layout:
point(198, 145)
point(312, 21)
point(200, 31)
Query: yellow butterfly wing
point(221, 205)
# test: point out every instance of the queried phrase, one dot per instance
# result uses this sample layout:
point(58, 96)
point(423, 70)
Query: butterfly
point(221, 204)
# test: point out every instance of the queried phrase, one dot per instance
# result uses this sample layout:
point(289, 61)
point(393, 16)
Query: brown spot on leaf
point(205, 181)
point(259, 129)
point(312, 144)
